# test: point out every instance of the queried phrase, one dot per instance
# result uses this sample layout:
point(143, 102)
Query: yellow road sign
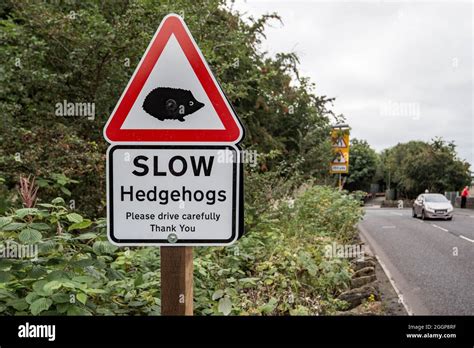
point(340, 145)
point(340, 138)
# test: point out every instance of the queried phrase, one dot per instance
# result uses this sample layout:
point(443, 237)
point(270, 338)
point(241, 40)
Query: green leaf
point(82, 298)
point(5, 264)
point(101, 223)
point(65, 191)
point(74, 217)
point(75, 310)
point(5, 277)
point(83, 263)
point(21, 213)
point(249, 280)
point(60, 298)
point(38, 287)
point(58, 275)
point(103, 247)
point(37, 271)
point(300, 310)
point(14, 226)
point(218, 294)
point(18, 304)
point(45, 205)
point(84, 279)
point(47, 246)
point(94, 291)
point(70, 284)
point(138, 280)
point(137, 303)
point(225, 306)
point(31, 297)
point(58, 200)
point(62, 308)
point(30, 236)
point(270, 306)
point(40, 305)
point(6, 294)
point(5, 221)
point(42, 182)
point(80, 225)
point(40, 226)
point(51, 286)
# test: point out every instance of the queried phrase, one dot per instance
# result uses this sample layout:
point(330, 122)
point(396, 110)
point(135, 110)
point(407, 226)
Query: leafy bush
point(277, 268)
point(77, 271)
point(328, 212)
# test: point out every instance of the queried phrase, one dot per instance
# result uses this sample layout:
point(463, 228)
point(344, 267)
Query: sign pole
point(176, 280)
point(151, 165)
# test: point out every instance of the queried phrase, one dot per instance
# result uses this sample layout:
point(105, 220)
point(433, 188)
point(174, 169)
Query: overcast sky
point(399, 70)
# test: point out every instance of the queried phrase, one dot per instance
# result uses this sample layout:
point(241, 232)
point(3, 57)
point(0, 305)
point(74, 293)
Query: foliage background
point(86, 51)
point(279, 268)
point(416, 166)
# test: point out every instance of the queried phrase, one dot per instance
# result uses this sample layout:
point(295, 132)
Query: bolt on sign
point(340, 146)
point(174, 167)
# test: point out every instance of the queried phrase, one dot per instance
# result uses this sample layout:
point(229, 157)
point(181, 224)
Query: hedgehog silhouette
point(165, 103)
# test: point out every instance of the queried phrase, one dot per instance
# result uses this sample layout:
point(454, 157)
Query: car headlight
point(450, 209)
point(431, 210)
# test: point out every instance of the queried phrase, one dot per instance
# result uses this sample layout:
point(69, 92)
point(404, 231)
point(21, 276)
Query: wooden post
point(176, 280)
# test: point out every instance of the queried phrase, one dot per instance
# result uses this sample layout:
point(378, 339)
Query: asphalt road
point(430, 263)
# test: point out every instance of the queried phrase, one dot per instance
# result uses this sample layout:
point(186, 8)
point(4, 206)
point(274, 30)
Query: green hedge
point(277, 268)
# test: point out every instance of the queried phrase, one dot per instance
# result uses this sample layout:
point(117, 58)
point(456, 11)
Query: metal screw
point(172, 238)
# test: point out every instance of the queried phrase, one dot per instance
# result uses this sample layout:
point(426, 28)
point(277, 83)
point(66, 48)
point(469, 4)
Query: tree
point(417, 166)
point(363, 162)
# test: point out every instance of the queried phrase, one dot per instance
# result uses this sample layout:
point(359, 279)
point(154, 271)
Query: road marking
point(388, 226)
point(441, 228)
point(470, 240)
point(366, 238)
point(390, 279)
point(399, 214)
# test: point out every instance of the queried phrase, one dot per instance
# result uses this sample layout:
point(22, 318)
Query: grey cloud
point(368, 54)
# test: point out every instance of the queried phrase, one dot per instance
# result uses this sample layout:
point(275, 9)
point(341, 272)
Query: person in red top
point(464, 195)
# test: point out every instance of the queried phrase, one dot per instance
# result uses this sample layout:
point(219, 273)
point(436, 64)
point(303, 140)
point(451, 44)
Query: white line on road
point(399, 214)
point(391, 280)
point(470, 240)
point(388, 226)
point(441, 228)
point(370, 242)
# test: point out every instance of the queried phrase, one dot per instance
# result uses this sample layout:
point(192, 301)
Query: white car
point(433, 206)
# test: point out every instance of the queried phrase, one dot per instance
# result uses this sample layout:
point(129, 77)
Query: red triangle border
point(232, 132)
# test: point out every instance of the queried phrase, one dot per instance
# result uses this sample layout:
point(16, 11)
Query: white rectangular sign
point(173, 194)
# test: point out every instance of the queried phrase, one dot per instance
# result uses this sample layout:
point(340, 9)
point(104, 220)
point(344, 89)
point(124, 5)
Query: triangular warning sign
point(339, 142)
point(339, 158)
point(173, 95)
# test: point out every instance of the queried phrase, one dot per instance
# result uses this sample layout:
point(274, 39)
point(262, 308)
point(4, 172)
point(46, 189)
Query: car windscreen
point(435, 198)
